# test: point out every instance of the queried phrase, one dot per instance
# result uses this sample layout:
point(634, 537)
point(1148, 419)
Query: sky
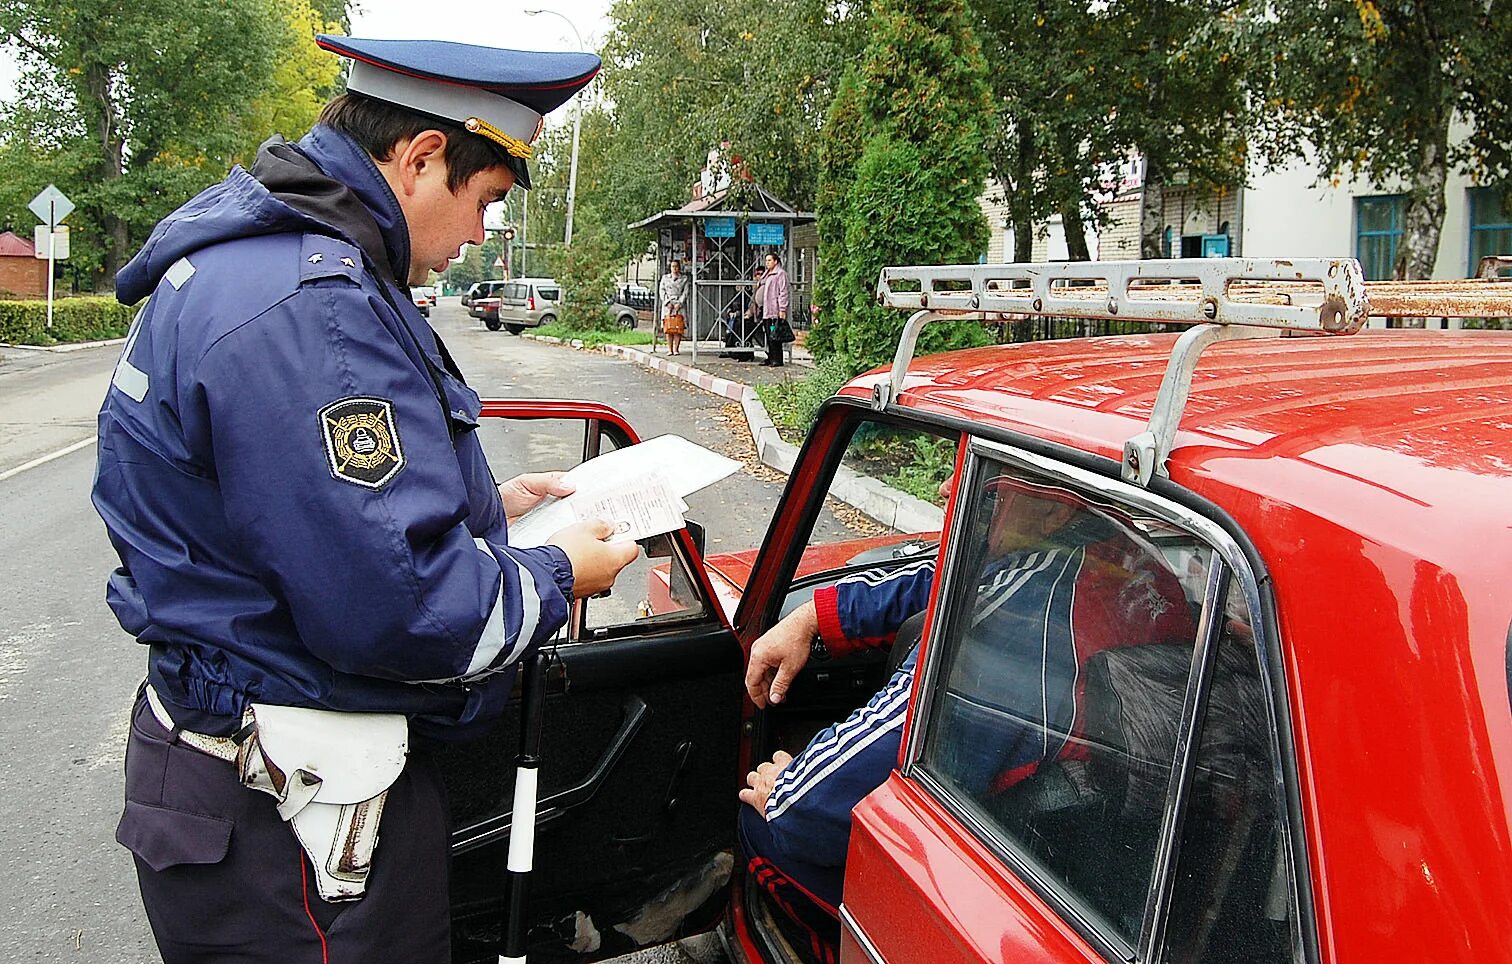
point(469, 21)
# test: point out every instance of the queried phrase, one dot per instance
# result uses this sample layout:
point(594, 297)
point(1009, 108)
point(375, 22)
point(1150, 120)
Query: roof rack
point(1224, 298)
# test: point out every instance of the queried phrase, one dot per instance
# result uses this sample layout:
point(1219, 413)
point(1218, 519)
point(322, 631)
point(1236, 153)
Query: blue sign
point(1215, 246)
point(764, 234)
point(719, 227)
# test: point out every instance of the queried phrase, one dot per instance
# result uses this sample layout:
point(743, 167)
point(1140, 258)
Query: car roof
point(1425, 414)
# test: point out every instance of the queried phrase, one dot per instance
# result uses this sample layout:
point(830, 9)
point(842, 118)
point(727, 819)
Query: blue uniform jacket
point(289, 472)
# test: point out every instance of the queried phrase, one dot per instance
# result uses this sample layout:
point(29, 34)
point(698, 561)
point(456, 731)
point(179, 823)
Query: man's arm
point(858, 612)
point(808, 807)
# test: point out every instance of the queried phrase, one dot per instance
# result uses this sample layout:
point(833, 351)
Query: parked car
point(631, 305)
point(1314, 771)
point(424, 297)
point(518, 304)
point(479, 289)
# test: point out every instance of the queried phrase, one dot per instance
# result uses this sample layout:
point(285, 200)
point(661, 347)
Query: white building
point(1281, 213)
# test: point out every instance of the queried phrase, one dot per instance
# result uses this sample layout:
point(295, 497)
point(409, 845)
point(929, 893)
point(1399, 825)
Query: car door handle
point(555, 806)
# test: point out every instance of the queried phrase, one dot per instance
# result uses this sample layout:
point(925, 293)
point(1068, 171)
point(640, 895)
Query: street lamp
point(577, 123)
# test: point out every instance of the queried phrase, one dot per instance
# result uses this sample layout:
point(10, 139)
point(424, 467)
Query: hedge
point(74, 319)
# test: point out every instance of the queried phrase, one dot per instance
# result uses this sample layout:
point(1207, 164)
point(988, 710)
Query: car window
point(1232, 892)
point(1055, 692)
point(548, 293)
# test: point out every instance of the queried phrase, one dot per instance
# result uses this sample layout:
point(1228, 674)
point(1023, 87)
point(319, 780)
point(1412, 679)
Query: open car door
point(637, 803)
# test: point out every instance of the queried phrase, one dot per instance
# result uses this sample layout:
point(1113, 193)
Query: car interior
point(1088, 820)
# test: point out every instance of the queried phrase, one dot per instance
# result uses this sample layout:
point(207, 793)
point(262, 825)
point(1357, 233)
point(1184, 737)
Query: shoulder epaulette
point(322, 256)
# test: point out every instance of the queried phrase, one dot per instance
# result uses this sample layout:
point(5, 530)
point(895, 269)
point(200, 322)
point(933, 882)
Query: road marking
point(47, 458)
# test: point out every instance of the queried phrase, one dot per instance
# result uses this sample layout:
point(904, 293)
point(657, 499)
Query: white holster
point(330, 773)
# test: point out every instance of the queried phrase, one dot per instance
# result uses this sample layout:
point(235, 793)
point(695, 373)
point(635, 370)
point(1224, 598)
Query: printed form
point(639, 490)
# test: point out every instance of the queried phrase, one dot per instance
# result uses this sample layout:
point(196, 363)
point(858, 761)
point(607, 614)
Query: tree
point(586, 272)
point(916, 106)
point(133, 108)
point(1054, 133)
point(1177, 80)
point(685, 77)
point(1370, 89)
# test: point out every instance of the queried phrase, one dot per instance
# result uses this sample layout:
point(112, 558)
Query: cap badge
point(515, 146)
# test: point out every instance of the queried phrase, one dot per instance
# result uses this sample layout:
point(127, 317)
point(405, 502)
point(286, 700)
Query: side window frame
point(1229, 562)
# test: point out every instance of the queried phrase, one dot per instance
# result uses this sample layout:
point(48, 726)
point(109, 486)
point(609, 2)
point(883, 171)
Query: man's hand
point(759, 782)
point(524, 492)
point(779, 653)
point(595, 563)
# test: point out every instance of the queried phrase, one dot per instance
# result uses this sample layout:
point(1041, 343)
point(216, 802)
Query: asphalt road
point(68, 673)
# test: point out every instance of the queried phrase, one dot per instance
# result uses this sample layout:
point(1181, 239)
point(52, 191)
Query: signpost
point(51, 206)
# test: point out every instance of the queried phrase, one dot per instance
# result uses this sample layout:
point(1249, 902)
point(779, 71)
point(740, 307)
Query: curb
point(869, 496)
point(72, 346)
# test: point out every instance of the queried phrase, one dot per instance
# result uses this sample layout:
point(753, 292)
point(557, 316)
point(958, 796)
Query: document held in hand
point(638, 490)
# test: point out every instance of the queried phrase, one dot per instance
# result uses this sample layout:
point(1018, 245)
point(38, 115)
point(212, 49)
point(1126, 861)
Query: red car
point(1320, 770)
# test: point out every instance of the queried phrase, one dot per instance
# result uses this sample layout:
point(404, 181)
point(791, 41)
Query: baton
point(522, 821)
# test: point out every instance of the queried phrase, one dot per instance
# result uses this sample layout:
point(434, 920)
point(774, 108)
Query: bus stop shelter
point(720, 238)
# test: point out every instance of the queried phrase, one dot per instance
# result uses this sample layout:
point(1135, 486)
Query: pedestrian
point(774, 310)
point(311, 542)
point(742, 320)
point(674, 296)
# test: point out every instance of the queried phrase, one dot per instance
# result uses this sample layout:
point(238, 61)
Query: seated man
point(1062, 579)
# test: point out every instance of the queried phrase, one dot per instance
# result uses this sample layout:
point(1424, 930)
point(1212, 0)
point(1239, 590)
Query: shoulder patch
point(362, 441)
point(322, 256)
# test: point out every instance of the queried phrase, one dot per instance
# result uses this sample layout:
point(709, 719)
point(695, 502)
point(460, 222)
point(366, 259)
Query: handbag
point(674, 325)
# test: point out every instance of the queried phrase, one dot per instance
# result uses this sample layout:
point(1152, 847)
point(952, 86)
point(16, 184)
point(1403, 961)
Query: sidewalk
point(746, 373)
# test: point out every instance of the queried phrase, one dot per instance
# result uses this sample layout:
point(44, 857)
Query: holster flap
point(347, 757)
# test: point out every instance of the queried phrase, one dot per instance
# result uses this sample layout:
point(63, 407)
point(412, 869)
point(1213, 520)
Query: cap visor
point(521, 171)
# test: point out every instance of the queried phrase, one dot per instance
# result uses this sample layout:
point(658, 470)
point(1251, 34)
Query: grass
point(594, 338)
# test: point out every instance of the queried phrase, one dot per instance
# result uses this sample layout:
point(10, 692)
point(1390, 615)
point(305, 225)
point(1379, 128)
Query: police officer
point(307, 527)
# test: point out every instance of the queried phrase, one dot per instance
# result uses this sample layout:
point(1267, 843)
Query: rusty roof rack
point(1224, 298)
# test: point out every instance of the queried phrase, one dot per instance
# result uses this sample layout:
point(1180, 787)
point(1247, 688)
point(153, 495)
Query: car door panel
point(635, 828)
point(919, 888)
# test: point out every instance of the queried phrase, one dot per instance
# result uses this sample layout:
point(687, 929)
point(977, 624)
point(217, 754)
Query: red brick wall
point(23, 275)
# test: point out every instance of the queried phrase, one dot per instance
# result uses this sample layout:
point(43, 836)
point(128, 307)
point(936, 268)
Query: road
point(68, 673)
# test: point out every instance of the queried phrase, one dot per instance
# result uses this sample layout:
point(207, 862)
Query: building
point(1287, 212)
point(21, 272)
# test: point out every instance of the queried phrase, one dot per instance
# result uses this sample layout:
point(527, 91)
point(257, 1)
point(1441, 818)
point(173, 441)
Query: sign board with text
point(765, 234)
point(59, 250)
point(719, 227)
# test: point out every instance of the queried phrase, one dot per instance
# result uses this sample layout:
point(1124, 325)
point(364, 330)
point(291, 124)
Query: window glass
point(548, 292)
point(1490, 225)
point(1064, 657)
point(1378, 228)
point(1232, 900)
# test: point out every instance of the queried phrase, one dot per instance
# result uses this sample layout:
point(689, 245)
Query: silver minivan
point(520, 304)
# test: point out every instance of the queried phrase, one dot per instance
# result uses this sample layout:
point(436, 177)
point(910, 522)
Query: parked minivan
point(518, 304)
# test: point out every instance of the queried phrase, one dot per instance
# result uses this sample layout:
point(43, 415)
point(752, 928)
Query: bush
point(794, 405)
point(586, 274)
point(74, 319)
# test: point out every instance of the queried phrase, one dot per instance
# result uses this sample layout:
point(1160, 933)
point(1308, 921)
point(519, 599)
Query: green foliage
point(793, 404)
point(1371, 86)
point(74, 319)
point(586, 273)
point(593, 339)
point(932, 462)
point(133, 108)
point(903, 166)
point(686, 76)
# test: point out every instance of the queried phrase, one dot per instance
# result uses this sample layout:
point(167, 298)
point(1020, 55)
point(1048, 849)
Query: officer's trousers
point(224, 880)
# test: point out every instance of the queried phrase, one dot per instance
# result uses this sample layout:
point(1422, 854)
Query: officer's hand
point(759, 782)
point(595, 563)
point(524, 492)
point(779, 653)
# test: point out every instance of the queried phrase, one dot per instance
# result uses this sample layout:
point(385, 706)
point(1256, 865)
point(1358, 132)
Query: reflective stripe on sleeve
point(495, 638)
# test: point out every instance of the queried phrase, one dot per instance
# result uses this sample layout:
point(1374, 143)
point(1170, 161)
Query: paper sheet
point(639, 490)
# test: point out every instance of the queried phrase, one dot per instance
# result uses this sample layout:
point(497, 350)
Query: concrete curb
point(870, 496)
point(73, 346)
